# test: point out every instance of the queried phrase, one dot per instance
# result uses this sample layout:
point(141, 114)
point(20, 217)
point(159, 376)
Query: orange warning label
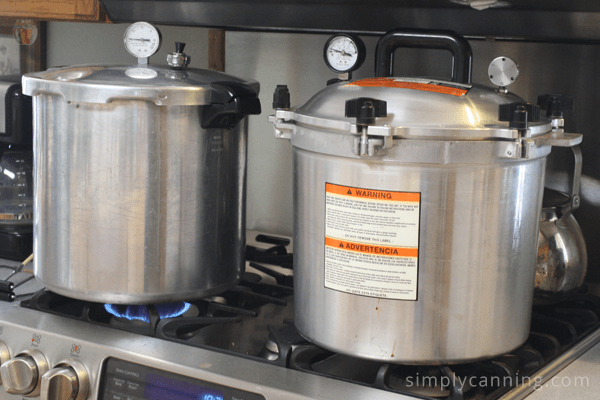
point(370, 249)
point(372, 241)
point(372, 194)
point(395, 83)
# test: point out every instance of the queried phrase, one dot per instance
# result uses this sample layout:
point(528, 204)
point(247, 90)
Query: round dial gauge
point(344, 53)
point(142, 39)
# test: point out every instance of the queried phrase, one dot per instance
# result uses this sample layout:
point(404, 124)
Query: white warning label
point(372, 242)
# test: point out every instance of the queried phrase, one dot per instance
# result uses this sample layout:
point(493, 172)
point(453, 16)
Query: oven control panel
point(28, 374)
point(124, 380)
point(72, 360)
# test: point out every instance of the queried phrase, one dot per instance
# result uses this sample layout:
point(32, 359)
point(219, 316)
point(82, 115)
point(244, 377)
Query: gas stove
point(242, 345)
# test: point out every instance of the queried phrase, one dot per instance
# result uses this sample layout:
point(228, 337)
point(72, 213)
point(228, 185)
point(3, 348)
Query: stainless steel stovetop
point(244, 356)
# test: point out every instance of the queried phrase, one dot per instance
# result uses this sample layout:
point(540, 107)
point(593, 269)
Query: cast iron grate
point(242, 300)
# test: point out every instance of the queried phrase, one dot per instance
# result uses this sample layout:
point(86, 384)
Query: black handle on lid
point(555, 104)
point(231, 102)
point(179, 46)
point(425, 39)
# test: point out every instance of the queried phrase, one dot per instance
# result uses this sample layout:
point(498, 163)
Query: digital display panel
point(161, 388)
point(124, 380)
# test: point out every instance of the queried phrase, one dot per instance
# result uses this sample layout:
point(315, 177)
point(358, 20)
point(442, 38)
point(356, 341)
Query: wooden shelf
point(53, 10)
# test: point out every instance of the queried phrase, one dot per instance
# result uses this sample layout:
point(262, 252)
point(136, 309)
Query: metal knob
point(178, 59)
point(21, 375)
point(502, 72)
point(60, 384)
point(4, 355)
point(67, 381)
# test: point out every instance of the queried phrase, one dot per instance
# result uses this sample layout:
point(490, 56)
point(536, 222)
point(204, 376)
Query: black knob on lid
point(555, 104)
point(365, 110)
point(281, 97)
point(519, 114)
point(179, 47)
point(367, 114)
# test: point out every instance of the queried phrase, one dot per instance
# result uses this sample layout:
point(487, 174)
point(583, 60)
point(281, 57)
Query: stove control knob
point(68, 380)
point(4, 355)
point(21, 375)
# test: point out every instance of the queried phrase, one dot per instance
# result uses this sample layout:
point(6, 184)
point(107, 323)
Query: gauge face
point(142, 39)
point(344, 53)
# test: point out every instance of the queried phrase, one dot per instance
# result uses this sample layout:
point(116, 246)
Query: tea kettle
point(562, 254)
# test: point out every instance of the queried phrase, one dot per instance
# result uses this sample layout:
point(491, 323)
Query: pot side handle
point(572, 140)
point(426, 39)
point(230, 103)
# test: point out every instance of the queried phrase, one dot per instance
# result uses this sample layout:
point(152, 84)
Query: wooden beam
point(81, 10)
point(216, 50)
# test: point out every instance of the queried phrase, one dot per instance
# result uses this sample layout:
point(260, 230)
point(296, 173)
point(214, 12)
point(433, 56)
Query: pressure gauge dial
point(142, 39)
point(344, 53)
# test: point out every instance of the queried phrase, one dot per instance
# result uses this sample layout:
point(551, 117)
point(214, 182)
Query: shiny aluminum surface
point(478, 236)
point(503, 71)
point(105, 84)
point(480, 186)
point(136, 203)
point(419, 113)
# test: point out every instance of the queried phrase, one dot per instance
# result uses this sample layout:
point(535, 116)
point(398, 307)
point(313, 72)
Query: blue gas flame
point(166, 310)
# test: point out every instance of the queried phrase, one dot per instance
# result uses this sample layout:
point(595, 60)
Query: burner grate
point(241, 300)
point(219, 323)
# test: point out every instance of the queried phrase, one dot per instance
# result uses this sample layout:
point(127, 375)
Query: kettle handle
point(460, 48)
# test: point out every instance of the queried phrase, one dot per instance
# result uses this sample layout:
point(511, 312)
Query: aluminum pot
point(140, 181)
point(416, 215)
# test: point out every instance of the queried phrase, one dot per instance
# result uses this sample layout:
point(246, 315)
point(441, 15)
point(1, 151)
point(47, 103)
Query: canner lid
point(104, 84)
point(418, 108)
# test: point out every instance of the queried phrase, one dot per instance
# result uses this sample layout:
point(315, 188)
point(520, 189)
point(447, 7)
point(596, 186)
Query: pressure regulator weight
point(503, 72)
point(142, 40)
point(344, 53)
